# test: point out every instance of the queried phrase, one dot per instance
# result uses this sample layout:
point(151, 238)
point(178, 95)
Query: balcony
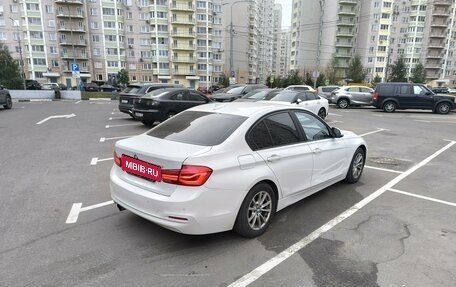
point(78, 56)
point(70, 15)
point(345, 23)
point(184, 72)
point(442, 2)
point(184, 47)
point(69, 2)
point(347, 12)
point(182, 21)
point(434, 75)
point(441, 24)
point(82, 43)
point(434, 56)
point(344, 34)
point(183, 59)
point(343, 55)
point(344, 44)
point(349, 2)
point(72, 29)
point(441, 13)
point(184, 34)
point(437, 35)
point(434, 45)
point(433, 66)
point(182, 7)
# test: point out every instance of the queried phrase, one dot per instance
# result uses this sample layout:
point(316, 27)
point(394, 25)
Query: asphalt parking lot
point(395, 227)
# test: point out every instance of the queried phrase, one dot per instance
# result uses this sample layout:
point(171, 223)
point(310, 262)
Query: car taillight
point(375, 98)
point(117, 159)
point(189, 175)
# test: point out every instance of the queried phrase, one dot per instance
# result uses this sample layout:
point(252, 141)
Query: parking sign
point(74, 67)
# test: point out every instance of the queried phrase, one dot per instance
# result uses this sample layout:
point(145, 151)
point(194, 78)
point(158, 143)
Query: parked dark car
point(440, 90)
point(92, 87)
point(162, 104)
point(234, 92)
point(108, 88)
point(133, 92)
point(32, 85)
point(259, 95)
point(5, 98)
point(392, 96)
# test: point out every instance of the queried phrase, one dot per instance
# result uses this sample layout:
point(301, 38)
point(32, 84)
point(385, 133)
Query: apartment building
point(276, 39)
point(154, 40)
point(249, 39)
point(422, 31)
point(284, 53)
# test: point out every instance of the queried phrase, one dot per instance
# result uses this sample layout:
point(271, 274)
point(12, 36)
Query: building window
point(49, 9)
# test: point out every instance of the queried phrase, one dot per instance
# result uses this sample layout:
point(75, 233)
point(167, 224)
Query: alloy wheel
point(259, 210)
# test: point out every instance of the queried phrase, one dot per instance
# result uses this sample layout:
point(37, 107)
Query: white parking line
point(423, 197)
point(95, 160)
point(369, 133)
point(279, 258)
point(119, 118)
point(78, 102)
point(383, 169)
point(334, 122)
point(124, 125)
point(102, 140)
point(445, 122)
point(337, 115)
point(76, 209)
point(115, 113)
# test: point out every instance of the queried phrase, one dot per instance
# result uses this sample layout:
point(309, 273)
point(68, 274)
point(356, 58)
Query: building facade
point(421, 31)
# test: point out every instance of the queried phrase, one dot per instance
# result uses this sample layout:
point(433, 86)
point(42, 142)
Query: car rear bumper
point(148, 115)
point(189, 210)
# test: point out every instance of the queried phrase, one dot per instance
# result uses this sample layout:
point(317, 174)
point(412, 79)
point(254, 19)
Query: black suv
point(133, 92)
point(392, 96)
point(5, 98)
point(32, 85)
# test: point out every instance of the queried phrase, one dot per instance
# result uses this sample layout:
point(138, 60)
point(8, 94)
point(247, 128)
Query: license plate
point(139, 114)
point(124, 101)
point(141, 168)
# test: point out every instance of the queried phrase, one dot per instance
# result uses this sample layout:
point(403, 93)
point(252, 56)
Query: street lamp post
point(20, 52)
point(232, 74)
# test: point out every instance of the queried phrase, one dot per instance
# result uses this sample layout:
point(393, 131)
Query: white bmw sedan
point(224, 166)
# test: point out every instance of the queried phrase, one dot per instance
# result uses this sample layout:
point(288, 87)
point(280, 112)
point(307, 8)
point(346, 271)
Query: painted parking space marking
point(77, 208)
point(95, 160)
point(77, 102)
point(123, 125)
point(56, 117)
point(422, 197)
point(444, 122)
point(102, 140)
point(124, 118)
point(376, 131)
point(279, 258)
point(334, 122)
point(117, 113)
point(337, 115)
point(383, 169)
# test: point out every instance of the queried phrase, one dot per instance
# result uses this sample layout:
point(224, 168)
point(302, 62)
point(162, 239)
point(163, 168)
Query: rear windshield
point(284, 97)
point(198, 128)
point(330, 89)
point(132, 89)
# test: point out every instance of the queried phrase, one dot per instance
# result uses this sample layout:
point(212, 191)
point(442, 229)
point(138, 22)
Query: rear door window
point(353, 89)
point(404, 89)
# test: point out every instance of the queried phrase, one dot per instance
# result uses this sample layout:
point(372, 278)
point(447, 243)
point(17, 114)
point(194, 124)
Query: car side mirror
point(298, 101)
point(428, 93)
point(337, 133)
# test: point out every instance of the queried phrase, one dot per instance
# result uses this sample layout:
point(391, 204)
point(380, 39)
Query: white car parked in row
point(224, 166)
point(299, 88)
point(307, 99)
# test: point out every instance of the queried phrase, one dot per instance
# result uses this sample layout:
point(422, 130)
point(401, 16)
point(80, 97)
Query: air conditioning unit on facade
point(147, 21)
point(130, 46)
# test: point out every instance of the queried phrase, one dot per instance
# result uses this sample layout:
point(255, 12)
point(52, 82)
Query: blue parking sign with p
point(74, 67)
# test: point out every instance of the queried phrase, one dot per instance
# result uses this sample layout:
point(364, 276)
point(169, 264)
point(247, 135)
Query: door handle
point(273, 158)
point(316, 150)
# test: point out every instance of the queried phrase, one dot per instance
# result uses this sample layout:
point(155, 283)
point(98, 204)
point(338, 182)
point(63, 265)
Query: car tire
point(148, 123)
point(322, 113)
point(443, 108)
point(356, 166)
point(9, 103)
point(342, 103)
point(389, 107)
point(259, 206)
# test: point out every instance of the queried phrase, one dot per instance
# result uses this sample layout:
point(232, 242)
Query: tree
point(331, 71)
point(293, 78)
point(308, 79)
point(355, 71)
point(377, 79)
point(10, 76)
point(123, 77)
point(321, 80)
point(224, 81)
point(418, 74)
point(398, 71)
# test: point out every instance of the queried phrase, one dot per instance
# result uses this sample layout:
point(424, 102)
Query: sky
point(286, 12)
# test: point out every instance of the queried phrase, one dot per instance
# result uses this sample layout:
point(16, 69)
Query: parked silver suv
point(347, 96)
